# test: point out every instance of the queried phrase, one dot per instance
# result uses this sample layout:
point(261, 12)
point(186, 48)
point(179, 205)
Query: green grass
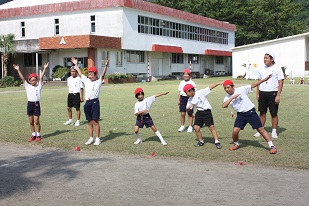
point(117, 107)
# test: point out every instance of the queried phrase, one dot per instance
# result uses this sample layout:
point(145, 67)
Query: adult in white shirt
point(268, 93)
point(92, 105)
point(75, 96)
point(240, 102)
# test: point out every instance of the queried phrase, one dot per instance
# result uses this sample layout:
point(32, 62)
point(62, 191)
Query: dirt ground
point(43, 176)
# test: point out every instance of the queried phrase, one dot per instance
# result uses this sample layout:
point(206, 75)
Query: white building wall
point(290, 53)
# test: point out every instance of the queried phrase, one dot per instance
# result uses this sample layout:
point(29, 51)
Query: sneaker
point(138, 141)
point(163, 143)
point(97, 141)
point(190, 129)
point(218, 145)
point(274, 135)
point(181, 128)
point(257, 134)
point(273, 150)
point(199, 144)
point(38, 138)
point(90, 141)
point(77, 124)
point(234, 147)
point(68, 122)
point(31, 138)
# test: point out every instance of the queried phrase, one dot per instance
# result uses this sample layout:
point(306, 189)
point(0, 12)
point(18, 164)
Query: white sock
point(38, 134)
point(274, 131)
point(159, 135)
point(78, 121)
point(270, 144)
point(70, 120)
point(97, 138)
point(34, 134)
point(236, 143)
point(217, 141)
point(91, 138)
point(138, 136)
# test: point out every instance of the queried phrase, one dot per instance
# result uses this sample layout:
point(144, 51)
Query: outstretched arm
point(105, 69)
point(214, 85)
point(158, 95)
point(43, 72)
point(255, 84)
point(16, 67)
point(74, 61)
point(227, 102)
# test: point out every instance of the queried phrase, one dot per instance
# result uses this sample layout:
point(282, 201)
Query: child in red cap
point(92, 105)
point(240, 102)
point(203, 114)
point(33, 90)
point(141, 111)
point(182, 102)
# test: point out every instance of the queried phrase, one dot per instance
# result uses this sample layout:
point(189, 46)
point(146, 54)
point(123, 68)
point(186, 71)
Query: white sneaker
point(274, 135)
point(181, 128)
point(257, 134)
point(138, 141)
point(68, 122)
point(90, 141)
point(97, 141)
point(163, 143)
point(77, 124)
point(190, 129)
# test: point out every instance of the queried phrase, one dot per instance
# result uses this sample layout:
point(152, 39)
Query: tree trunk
point(5, 70)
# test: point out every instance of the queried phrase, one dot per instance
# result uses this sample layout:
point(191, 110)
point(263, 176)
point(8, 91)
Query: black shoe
point(218, 145)
point(198, 144)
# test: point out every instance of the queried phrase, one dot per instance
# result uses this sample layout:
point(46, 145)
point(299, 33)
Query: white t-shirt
point(242, 103)
point(271, 84)
point(145, 104)
point(200, 99)
point(182, 84)
point(74, 84)
point(33, 92)
point(92, 88)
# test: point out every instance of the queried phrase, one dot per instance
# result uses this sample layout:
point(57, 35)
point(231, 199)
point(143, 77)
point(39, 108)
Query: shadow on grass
point(57, 132)
point(112, 135)
point(152, 138)
point(279, 130)
point(25, 173)
point(245, 143)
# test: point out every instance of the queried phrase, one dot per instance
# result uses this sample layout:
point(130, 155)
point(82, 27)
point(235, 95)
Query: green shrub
point(61, 73)
point(7, 81)
point(118, 75)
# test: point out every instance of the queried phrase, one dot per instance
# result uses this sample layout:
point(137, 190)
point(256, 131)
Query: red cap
point(187, 71)
point(93, 69)
point(32, 75)
point(138, 90)
point(187, 87)
point(228, 82)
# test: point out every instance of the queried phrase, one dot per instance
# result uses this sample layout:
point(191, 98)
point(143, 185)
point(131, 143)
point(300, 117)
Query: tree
point(7, 47)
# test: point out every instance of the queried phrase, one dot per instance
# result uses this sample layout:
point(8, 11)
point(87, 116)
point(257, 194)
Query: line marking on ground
point(24, 160)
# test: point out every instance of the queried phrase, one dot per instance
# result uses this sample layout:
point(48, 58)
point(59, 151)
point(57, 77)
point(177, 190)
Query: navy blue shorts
point(250, 117)
point(142, 120)
point(92, 109)
point(183, 105)
point(267, 100)
point(33, 108)
point(74, 100)
point(203, 117)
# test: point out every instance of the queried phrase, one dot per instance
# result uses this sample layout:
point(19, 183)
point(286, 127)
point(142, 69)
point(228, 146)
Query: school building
point(291, 52)
point(131, 33)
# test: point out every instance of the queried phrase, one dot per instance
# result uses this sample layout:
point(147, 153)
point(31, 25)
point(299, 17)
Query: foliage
point(7, 81)
point(7, 46)
point(85, 71)
point(56, 67)
point(61, 73)
point(118, 75)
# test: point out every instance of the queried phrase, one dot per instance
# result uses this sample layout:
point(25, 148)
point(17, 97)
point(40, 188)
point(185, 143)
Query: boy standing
point(75, 96)
point(182, 102)
point(203, 114)
point(141, 111)
point(92, 105)
point(33, 90)
point(240, 102)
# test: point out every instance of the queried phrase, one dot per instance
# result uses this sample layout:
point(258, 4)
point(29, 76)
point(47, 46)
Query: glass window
point(219, 59)
point(22, 29)
point(135, 56)
point(56, 26)
point(30, 61)
point(92, 24)
point(177, 58)
point(193, 58)
point(118, 58)
point(105, 56)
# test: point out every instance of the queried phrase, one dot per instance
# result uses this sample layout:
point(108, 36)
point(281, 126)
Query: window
point(193, 58)
point(105, 56)
point(177, 58)
point(56, 27)
point(135, 56)
point(219, 59)
point(92, 23)
point(30, 61)
point(118, 59)
point(82, 62)
point(22, 29)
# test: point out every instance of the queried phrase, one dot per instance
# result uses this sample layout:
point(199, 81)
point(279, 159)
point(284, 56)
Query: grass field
point(117, 107)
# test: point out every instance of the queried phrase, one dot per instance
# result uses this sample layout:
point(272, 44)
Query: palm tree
point(7, 47)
